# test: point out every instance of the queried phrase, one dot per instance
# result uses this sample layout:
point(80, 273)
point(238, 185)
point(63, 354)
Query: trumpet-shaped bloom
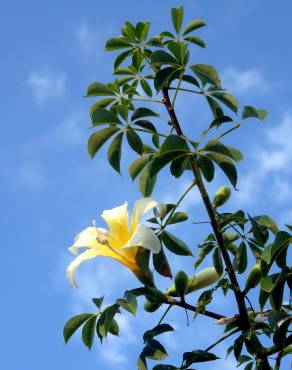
point(121, 241)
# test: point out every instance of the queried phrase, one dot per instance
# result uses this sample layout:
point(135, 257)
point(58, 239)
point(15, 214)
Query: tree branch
point(244, 320)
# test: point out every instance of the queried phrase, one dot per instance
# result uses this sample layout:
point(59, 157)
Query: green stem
point(165, 313)
point(147, 100)
point(177, 88)
point(186, 90)
point(178, 203)
point(227, 132)
point(150, 132)
point(222, 339)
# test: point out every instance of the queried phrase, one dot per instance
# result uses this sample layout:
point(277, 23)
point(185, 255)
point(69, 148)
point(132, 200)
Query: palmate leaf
point(196, 40)
point(146, 88)
point(252, 112)
point(165, 76)
point(99, 89)
point(135, 141)
point(207, 74)
point(88, 332)
point(122, 57)
point(146, 182)
point(226, 166)
point(143, 112)
point(101, 115)
point(217, 261)
point(117, 43)
point(154, 350)
point(74, 324)
point(138, 165)
point(161, 57)
point(114, 152)
point(175, 245)
point(161, 264)
point(193, 25)
point(227, 99)
point(207, 168)
point(99, 138)
point(177, 15)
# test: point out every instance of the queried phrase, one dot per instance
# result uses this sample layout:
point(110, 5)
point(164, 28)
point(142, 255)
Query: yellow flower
point(121, 242)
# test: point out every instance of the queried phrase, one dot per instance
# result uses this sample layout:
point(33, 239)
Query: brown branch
point(189, 307)
point(244, 320)
point(278, 361)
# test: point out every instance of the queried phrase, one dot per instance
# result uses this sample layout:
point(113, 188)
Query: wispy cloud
point(241, 82)
point(270, 164)
point(31, 174)
point(91, 38)
point(46, 85)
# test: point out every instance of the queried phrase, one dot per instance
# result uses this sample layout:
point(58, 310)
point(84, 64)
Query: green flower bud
point(253, 278)
point(201, 280)
point(222, 195)
point(150, 306)
point(181, 282)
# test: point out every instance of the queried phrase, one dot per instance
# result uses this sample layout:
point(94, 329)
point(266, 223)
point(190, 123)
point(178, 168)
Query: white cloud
point(91, 38)
point(241, 82)
point(46, 85)
point(271, 163)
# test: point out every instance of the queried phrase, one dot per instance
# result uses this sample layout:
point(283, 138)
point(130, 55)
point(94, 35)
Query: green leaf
point(146, 88)
point(103, 103)
point(161, 160)
point(268, 282)
point(217, 261)
point(142, 30)
point(88, 332)
point(227, 99)
point(121, 57)
point(135, 141)
point(178, 166)
point(217, 147)
point(235, 153)
point(190, 79)
point(281, 241)
point(173, 143)
point(143, 112)
point(198, 356)
point(193, 25)
point(146, 182)
point(207, 74)
point(138, 165)
point(279, 337)
point(101, 115)
point(146, 125)
point(215, 107)
point(196, 40)
point(207, 168)
point(165, 367)
point(141, 363)
point(160, 57)
point(161, 264)
point(226, 166)
point(157, 330)
point(154, 350)
point(129, 303)
point(177, 217)
point(116, 44)
point(114, 152)
point(217, 122)
point(74, 323)
point(177, 15)
point(99, 89)
point(249, 366)
point(252, 112)
point(175, 245)
point(241, 258)
point(98, 301)
point(165, 76)
point(106, 318)
point(114, 328)
point(99, 138)
point(268, 222)
point(180, 51)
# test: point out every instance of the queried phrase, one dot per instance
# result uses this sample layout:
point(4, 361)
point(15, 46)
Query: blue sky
point(51, 190)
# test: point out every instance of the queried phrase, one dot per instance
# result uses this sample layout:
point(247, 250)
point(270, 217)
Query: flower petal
point(90, 253)
point(117, 220)
point(141, 207)
point(144, 237)
point(85, 239)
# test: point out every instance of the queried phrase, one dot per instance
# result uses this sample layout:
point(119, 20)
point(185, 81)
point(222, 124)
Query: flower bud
point(150, 306)
point(253, 278)
point(181, 282)
point(221, 196)
point(201, 280)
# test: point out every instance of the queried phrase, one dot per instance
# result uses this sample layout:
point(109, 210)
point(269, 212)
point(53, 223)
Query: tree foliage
point(149, 72)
